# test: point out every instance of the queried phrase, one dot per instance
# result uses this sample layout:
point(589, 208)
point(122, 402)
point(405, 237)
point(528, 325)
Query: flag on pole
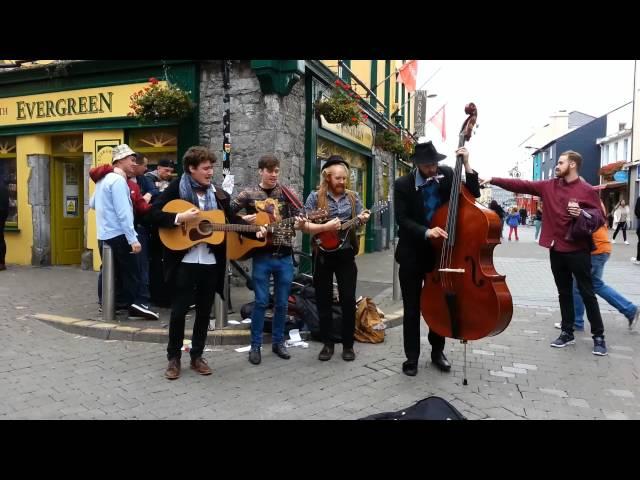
point(438, 120)
point(408, 74)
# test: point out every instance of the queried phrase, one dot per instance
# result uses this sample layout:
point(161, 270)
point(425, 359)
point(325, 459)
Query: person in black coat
point(417, 196)
point(4, 213)
point(200, 268)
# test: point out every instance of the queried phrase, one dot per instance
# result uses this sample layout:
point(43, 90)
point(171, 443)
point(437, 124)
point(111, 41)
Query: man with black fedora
point(417, 196)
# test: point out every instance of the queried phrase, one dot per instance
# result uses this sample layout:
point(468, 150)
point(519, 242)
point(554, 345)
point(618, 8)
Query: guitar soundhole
point(205, 228)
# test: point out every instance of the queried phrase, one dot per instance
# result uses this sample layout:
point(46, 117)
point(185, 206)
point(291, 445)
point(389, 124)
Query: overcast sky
point(513, 98)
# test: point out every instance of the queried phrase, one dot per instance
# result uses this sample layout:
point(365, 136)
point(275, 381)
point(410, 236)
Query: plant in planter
point(608, 171)
point(342, 106)
point(390, 141)
point(157, 102)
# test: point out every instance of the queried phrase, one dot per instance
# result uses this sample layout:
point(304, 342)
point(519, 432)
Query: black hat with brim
point(426, 153)
point(335, 160)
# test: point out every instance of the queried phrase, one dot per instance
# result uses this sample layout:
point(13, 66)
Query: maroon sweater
point(556, 220)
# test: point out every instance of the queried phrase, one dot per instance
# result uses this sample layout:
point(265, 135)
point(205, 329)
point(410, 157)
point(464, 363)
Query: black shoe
point(254, 356)
point(280, 350)
point(410, 368)
point(140, 310)
point(348, 355)
point(440, 361)
point(326, 353)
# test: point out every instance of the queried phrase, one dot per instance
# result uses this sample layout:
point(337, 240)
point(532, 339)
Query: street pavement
point(49, 373)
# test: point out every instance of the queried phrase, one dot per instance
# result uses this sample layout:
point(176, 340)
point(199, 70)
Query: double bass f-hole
point(476, 282)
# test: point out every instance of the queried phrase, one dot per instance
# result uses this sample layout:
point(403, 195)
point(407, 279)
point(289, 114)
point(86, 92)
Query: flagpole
point(414, 93)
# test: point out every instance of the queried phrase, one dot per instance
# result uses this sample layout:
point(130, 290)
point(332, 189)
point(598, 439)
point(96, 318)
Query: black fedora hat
point(335, 160)
point(426, 153)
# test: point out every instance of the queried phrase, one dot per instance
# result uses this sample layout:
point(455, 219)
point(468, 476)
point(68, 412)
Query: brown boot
point(173, 370)
point(200, 365)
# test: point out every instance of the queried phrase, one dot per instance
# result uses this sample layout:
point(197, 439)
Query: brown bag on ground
point(369, 324)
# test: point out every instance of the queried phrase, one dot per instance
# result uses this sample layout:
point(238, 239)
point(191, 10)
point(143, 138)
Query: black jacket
point(4, 196)
point(413, 249)
point(173, 258)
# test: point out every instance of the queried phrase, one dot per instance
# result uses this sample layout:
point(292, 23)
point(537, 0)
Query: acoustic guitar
point(241, 248)
point(209, 227)
point(332, 240)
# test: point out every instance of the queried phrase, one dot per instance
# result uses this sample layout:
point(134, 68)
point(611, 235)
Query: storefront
point(57, 122)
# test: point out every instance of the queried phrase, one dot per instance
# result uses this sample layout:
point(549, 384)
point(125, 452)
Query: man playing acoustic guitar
point(275, 258)
point(200, 268)
point(343, 205)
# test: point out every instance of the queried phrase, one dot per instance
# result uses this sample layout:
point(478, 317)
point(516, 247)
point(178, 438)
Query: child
point(513, 220)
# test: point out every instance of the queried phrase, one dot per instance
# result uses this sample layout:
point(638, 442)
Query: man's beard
point(560, 173)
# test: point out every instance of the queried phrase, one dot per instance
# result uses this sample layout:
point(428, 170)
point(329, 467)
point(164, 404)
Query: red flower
point(153, 81)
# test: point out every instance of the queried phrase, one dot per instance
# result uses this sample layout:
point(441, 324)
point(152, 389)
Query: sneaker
point(613, 241)
point(255, 356)
point(634, 321)
point(563, 340)
point(599, 347)
point(626, 243)
point(139, 310)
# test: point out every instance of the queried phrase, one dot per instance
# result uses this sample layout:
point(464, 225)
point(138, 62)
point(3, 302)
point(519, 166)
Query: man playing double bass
point(417, 196)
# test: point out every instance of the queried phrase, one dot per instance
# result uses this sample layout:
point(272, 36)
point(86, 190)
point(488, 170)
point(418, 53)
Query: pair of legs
point(264, 266)
point(342, 264)
point(513, 229)
point(538, 225)
point(411, 282)
point(566, 266)
point(621, 226)
point(604, 291)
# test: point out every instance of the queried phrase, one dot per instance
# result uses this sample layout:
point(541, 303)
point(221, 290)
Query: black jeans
point(202, 279)
point(343, 264)
point(638, 247)
point(623, 226)
point(565, 266)
point(411, 281)
point(127, 277)
point(3, 245)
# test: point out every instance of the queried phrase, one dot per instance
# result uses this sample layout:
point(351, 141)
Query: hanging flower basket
point(342, 106)
point(390, 141)
point(156, 102)
point(608, 171)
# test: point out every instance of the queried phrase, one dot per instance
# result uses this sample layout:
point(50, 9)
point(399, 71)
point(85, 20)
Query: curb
point(113, 331)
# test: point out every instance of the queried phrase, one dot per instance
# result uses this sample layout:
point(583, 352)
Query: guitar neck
point(233, 227)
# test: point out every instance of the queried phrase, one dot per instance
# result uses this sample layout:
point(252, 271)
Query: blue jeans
point(601, 289)
point(538, 224)
point(264, 265)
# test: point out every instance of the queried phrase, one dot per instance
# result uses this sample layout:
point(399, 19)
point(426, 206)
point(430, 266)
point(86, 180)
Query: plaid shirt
point(255, 199)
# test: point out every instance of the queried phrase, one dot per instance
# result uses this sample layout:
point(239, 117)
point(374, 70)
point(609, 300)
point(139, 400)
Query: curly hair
point(196, 155)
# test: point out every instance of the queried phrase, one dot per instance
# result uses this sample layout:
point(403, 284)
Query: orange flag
point(438, 120)
point(408, 74)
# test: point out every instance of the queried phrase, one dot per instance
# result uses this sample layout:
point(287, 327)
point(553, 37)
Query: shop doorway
point(67, 210)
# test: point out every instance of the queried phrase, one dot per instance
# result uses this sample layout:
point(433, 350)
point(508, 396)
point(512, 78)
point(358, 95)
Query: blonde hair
point(324, 184)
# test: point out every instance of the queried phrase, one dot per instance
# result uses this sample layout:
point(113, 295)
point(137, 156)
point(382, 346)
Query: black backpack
point(430, 408)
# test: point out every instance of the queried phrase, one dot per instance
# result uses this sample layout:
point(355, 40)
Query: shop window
point(67, 145)
point(9, 175)
point(155, 144)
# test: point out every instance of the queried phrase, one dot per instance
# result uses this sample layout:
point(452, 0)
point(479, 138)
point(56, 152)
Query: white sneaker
point(557, 325)
point(613, 241)
point(626, 243)
point(635, 261)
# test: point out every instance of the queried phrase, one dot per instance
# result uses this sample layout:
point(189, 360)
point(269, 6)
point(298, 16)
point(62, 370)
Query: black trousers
point(202, 279)
point(341, 263)
point(578, 265)
point(638, 247)
point(127, 275)
point(3, 245)
point(623, 226)
point(411, 280)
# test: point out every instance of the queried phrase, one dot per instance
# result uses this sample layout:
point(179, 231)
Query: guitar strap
point(293, 200)
point(353, 238)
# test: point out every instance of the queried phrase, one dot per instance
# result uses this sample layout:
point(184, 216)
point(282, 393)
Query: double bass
point(464, 297)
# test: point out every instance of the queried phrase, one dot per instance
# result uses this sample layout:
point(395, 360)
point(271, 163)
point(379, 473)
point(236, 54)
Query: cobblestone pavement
point(49, 373)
